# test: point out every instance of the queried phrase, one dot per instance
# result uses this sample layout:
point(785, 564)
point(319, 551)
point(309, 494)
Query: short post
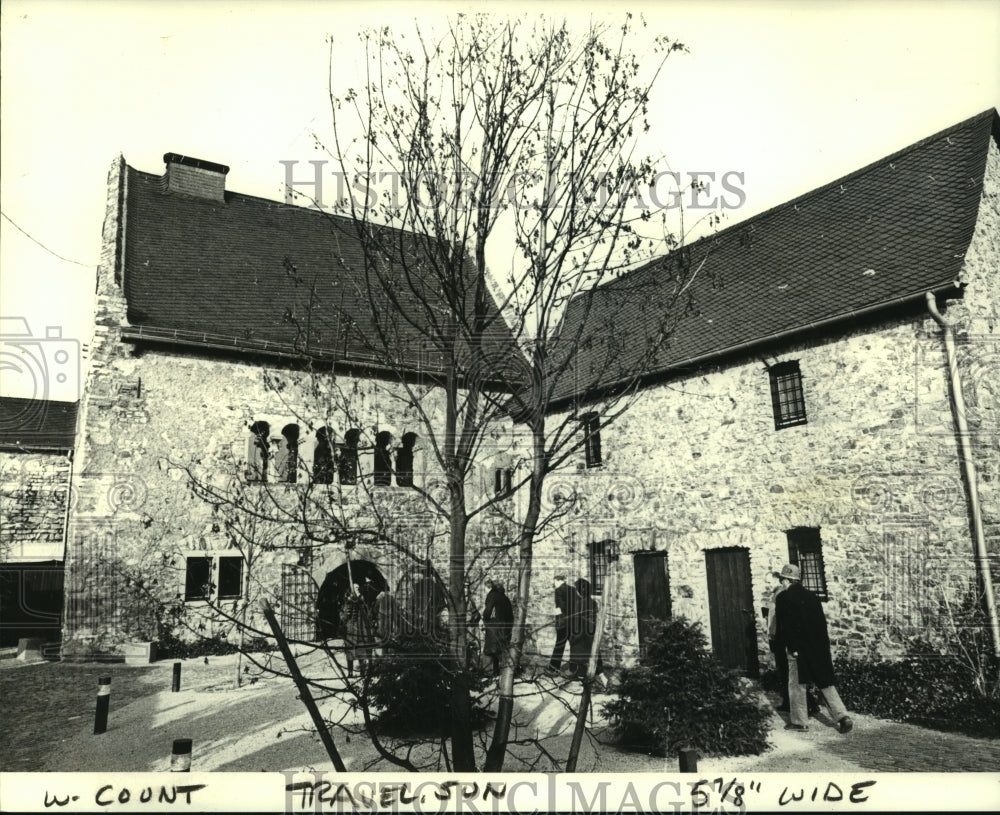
point(103, 703)
point(180, 757)
point(688, 760)
point(176, 684)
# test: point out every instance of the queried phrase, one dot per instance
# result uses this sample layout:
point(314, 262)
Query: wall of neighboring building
point(34, 489)
point(697, 465)
point(34, 492)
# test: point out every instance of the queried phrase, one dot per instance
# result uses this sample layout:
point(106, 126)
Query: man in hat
point(780, 657)
point(801, 628)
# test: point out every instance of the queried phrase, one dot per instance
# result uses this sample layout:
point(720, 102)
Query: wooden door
point(652, 592)
point(730, 604)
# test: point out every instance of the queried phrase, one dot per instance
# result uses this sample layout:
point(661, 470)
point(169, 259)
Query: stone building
point(803, 411)
point(237, 429)
point(36, 466)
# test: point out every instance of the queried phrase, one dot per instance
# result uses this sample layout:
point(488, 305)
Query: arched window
point(258, 452)
point(323, 456)
point(383, 459)
point(287, 463)
point(404, 460)
point(347, 462)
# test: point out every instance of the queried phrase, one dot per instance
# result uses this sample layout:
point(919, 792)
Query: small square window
point(230, 578)
point(591, 439)
point(198, 578)
point(787, 397)
point(805, 550)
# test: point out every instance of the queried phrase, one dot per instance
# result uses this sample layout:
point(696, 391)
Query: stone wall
point(34, 489)
point(164, 449)
point(696, 464)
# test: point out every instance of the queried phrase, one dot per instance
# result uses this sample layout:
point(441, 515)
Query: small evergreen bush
point(409, 689)
point(680, 696)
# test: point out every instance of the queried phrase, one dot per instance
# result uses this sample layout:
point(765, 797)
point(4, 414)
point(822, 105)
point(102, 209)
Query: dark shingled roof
point(892, 230)
point(37, 424)
point(216, 274)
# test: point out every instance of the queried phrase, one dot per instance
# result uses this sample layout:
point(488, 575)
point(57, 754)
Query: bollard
point(103, 702)
point(176, 684)
point(180, 758)
point(688, 760)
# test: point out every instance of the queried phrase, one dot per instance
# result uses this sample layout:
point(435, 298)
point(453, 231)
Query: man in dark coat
point(498, 620)
point(780, 656)
point(582, 628)
point(801, 628)
point(562, 601)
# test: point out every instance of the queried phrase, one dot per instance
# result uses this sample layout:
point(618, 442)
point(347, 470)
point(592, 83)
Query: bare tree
point(493, 132)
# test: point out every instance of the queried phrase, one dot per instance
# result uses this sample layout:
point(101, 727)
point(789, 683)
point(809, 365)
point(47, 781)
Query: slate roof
point(889, 231)
point(216, 274)
point(37, 424)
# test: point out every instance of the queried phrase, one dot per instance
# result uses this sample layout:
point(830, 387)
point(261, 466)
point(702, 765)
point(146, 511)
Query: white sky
point(790, 95)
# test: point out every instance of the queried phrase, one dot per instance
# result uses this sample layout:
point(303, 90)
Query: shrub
point(409, 690)
point(680, 696)
point(956, 690)
point(170, 646)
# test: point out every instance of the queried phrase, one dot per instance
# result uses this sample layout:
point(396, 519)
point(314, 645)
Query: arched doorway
point(333, 592)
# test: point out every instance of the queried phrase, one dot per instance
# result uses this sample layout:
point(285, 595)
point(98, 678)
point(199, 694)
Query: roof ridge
point(246, 197)
point(816, 191)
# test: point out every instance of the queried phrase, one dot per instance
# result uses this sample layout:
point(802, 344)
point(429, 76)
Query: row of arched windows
point(275, 456)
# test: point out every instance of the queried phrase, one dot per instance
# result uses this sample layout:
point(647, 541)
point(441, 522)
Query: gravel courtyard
point(47, 711)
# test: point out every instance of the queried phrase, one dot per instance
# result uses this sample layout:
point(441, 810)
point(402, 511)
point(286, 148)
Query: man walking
point(780, 657)
point(801, 629)
point(498, 619)
point(562, 601)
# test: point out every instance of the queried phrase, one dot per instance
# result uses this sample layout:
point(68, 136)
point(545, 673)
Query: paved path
point(261, 727)
point(874, 745)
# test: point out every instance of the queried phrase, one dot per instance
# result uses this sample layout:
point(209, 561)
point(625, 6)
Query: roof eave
point(645, 380)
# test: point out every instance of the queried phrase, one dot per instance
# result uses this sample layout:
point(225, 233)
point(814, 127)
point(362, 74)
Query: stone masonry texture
point(695, 464)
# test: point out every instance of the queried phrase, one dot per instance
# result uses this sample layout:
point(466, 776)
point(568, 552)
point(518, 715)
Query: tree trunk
point(588, 679)
point(501, 731)
point(462, 748)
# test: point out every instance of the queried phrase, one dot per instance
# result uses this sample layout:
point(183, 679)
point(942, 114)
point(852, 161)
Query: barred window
point(805, 550)
point(591, 438)
point(787, 397)
point(598, 566)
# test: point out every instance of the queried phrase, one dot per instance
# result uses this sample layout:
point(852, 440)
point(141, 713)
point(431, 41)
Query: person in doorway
point(498, 620)
point(801, 628)
point(386, 619)
point(358, 638)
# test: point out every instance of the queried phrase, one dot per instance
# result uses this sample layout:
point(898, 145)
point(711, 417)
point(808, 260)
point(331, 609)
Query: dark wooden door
point(652, 592)
point(730, 605)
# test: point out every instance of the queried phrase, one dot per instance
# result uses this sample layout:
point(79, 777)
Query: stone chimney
point(195, 177)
